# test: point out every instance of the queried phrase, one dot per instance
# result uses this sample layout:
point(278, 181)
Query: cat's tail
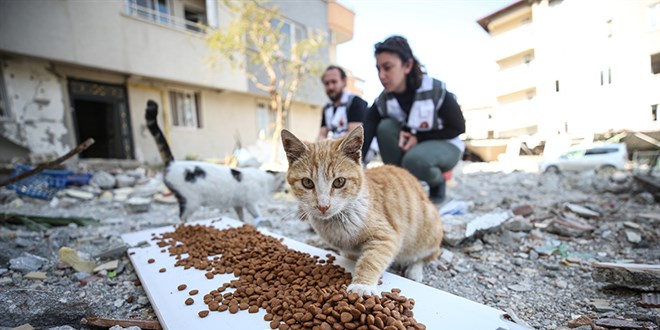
point(152, 123)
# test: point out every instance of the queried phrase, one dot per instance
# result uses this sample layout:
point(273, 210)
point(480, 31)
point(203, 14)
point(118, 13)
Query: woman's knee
point(388, 128)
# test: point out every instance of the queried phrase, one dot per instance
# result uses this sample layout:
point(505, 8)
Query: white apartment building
point(572, 67)
point(70, 70)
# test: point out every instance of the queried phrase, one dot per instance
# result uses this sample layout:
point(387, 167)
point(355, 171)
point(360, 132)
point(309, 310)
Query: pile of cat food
point(297, 290)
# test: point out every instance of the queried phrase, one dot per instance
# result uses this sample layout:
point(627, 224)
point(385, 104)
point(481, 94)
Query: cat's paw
point(363, 289)
point(415, 272)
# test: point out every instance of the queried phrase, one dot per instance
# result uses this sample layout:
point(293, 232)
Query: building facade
point(573, 67)
point(77, 69)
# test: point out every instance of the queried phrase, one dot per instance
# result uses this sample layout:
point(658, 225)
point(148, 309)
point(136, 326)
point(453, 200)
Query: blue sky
point(443, 34)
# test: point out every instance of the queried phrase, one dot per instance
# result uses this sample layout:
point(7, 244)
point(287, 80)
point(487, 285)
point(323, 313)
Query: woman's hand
point(407, 140)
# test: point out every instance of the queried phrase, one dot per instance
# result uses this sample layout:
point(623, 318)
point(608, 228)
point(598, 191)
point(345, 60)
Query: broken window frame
point(185, 118)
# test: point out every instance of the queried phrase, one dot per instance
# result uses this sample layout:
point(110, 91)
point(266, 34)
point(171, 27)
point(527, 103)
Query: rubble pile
point(555, 251)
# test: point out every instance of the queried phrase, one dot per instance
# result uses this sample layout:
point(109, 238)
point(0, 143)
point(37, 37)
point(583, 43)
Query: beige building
point(77, 69)
point(572, 67)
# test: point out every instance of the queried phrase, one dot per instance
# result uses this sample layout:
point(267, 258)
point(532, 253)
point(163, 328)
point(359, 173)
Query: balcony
point(517, 78)
point(512, 42)
point(340, 22)
point(158, 12)
point(516, 115)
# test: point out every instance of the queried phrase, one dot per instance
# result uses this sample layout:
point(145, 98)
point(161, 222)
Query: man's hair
point(399, 46)
point(342, 73)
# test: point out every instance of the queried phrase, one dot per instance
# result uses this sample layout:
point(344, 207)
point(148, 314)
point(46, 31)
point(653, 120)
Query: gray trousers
point(426, 160)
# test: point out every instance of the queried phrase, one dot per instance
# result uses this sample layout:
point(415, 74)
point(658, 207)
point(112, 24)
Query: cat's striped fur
point(378, 216)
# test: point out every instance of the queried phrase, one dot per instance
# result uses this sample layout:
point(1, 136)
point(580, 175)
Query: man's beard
point(336, 97)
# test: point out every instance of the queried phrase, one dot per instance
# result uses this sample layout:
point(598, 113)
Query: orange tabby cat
point(378, 216)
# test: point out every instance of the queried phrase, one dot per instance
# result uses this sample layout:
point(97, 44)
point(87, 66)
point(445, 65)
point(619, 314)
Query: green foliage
point(259, 41)
point(275, 58)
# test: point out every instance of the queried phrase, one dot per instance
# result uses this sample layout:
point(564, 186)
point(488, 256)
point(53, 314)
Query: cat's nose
point(323, 208)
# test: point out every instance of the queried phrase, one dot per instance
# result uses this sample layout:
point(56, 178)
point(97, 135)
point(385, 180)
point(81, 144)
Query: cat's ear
point(293, 147)
point(351, 145)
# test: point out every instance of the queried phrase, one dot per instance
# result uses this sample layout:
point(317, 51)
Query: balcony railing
point(135, 10)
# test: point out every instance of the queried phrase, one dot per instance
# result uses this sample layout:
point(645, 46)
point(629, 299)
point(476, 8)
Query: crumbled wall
point(37, 117)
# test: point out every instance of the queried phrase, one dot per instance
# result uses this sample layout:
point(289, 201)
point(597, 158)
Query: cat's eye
point(307, 183)
point(339, 182)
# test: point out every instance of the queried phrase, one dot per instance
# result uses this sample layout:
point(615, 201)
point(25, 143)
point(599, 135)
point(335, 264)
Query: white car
point(602, 156)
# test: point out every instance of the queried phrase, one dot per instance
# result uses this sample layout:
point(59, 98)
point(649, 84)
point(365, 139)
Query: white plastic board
point(434, 308)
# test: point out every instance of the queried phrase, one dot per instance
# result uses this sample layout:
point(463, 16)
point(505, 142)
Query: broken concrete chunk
point(486, 221)
point(169, 199)
point(111, 265)
point(523, 210)
point(581, 210)
point(569, 227)
point(635, 276)
point(103, 180)
point(70, 256)
point(124, 180)
point(459, 227)
point(115, 252)
point(79, 194)
point(602, 305)
point(518, 223)
point(105, 197)
point(35, 276)
point(27, 263)
point(521, 287)
point(582, 320)
point(138, 204)
point(633, 236)
point(625, 324)
point(632, 225)
point(25, 326)
point(650, 300)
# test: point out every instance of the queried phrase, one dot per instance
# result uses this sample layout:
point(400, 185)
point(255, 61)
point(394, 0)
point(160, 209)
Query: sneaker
point(437, 194)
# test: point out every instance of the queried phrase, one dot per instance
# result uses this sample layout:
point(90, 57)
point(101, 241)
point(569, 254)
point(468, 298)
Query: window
point(292, 33)
point(155, 10)
point(654, 16)
point(655, 63)
point(185, 109)
point(4, 101)
point(194, 18)
point(603, 82)
point(600, 151)
point(265, 120)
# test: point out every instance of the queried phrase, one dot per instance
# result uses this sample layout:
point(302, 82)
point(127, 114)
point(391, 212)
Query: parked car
point(602, 156)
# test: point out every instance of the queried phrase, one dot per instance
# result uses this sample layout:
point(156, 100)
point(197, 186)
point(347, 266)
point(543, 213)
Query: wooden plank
point(435, 308)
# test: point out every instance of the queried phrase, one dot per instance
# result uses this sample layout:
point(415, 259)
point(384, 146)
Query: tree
point(275, 59)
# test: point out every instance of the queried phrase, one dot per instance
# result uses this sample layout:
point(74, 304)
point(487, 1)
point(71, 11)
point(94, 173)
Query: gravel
point(541, 278)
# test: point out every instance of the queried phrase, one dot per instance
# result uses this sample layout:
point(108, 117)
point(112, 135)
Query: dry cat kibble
point(162, 270)
point(151, 260)
point(181, 287)
point(190, 301)
point(193, 292)
point(297, 290)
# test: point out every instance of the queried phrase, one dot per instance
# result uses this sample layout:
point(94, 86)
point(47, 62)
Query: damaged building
point(72, 70)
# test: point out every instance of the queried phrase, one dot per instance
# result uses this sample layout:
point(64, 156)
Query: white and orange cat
point(378, 217)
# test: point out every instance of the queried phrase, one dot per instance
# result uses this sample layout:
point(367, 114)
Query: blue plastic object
point(43, 185)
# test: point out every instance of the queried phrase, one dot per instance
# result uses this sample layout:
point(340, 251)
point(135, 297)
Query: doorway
point(100, 112)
